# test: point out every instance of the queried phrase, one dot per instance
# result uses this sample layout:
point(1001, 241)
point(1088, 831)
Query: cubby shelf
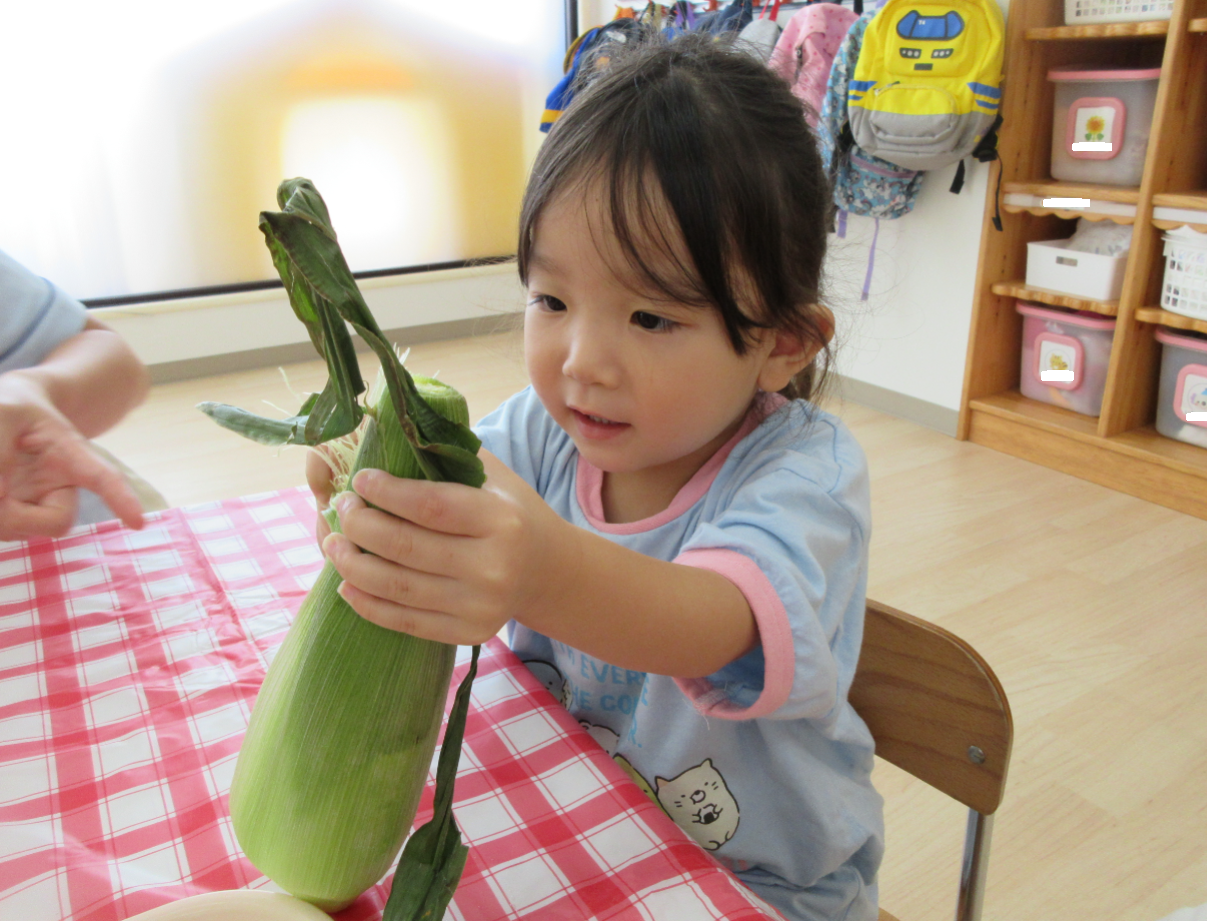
point(1190, 207)
point(1106, 203)
point(1159, 317)
point(1099, 30)
point(1120, 448)
point(1023, 292)
point(1053, 188)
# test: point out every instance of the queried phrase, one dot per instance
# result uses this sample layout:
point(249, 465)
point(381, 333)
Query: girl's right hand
point(318, 478)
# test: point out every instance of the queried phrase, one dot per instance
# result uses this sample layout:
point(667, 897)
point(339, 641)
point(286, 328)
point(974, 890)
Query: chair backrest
point(934, 707)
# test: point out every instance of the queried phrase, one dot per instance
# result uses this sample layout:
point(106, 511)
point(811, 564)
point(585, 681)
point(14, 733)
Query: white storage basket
point(1185, 287)
point(1086, 12)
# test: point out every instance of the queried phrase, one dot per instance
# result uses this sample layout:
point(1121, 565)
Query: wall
point(909, 338)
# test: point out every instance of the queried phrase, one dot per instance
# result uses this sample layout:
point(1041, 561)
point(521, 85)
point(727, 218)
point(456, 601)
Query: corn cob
point(342, 734)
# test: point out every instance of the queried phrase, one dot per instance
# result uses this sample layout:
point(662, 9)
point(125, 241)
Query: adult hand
point(43, 461)
point(446, 561)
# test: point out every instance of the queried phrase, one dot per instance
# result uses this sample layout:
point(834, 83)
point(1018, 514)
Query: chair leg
point(975, 868)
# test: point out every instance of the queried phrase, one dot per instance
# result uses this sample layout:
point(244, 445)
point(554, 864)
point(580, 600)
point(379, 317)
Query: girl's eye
point(549, 303)
point(653, 322)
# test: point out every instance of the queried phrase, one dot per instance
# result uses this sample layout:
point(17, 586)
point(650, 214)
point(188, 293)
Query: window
point(143, 138)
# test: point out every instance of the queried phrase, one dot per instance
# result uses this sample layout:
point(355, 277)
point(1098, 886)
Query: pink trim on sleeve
point(589, 478)
point(775, 635)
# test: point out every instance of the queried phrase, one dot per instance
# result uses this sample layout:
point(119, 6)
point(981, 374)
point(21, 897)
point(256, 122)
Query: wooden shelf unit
point(1159, 317)
point(1184, 201)
point(1099, 30)
point(1020, 290)
point(1120, 449)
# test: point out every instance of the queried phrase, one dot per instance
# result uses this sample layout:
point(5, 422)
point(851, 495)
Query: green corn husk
point(341, 737)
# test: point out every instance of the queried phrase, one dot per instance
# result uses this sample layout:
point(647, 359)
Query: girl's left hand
point(446, 561)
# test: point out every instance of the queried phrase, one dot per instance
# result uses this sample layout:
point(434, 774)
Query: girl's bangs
point(645, 229)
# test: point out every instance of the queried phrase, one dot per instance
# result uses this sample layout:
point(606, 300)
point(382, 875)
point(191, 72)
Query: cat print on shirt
point(700, 803)
point(607, 739)
point(554, 681)
point(641, 782)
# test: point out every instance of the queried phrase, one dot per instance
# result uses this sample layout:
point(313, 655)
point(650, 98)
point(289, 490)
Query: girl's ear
point(790, 355)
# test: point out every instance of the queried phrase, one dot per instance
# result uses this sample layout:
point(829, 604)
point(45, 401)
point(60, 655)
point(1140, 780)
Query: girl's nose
point(591, 356)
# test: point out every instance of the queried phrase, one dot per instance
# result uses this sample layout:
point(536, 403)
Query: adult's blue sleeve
point(35, 316)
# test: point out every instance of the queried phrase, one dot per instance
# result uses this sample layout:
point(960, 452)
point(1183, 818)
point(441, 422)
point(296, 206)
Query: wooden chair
point(937, 711)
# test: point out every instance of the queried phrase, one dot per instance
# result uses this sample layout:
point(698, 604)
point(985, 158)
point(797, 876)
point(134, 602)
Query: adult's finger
point(93, 473)
point(52, 516)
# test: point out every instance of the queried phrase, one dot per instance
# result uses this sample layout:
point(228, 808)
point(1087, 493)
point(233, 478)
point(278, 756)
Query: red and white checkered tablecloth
point(129, 662)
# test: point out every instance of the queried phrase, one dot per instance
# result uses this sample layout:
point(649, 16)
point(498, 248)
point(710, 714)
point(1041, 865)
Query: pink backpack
point(806, 49)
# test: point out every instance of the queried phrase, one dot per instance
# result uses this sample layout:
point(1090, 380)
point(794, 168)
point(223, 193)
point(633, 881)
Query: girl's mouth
point(597, 427)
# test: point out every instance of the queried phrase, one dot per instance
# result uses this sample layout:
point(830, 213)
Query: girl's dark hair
point(697, 125)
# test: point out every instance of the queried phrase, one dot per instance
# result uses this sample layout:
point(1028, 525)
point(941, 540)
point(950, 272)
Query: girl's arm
point(455, 564)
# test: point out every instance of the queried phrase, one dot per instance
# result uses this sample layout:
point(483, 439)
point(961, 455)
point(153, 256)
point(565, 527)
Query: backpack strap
point(957, 183)
point(867, 280)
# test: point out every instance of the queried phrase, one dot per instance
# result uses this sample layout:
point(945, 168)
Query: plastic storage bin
point(1065, 357)
point(1085, 12)
point(1101, 122)
point(1051, 266)
point(1182, 395)
point(1184, 290)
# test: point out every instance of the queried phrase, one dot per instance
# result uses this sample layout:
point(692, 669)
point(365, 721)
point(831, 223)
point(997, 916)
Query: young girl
point(676, 539)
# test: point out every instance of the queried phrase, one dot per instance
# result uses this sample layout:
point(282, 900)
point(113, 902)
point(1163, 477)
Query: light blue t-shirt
point(35, 318)
point(765, 763)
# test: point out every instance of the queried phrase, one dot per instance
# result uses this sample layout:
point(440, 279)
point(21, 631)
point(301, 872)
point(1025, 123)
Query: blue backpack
point(862, 183)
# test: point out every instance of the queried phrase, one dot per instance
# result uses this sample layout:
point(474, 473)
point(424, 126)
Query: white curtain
point(142, 138)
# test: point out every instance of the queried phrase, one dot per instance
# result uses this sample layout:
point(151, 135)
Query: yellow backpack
point(927, 85)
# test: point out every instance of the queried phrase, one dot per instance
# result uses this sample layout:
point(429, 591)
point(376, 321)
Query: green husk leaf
point(434, 857)
point(324, 296)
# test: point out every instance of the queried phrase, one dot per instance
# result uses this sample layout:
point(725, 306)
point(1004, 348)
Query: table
point(129, 662)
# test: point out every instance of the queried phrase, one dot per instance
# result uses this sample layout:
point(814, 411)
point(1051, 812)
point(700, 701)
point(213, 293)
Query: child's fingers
point(451, 508)
point(318, 478)
point(384, 579)
point(321, 528)
point(399, 541)
point(427, 625)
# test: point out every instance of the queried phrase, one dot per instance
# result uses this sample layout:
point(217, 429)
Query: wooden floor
point(1090, 605)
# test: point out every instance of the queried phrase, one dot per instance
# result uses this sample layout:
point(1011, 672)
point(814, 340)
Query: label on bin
point(1190, 395)
point(1095, 127)
point(1059, 360)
